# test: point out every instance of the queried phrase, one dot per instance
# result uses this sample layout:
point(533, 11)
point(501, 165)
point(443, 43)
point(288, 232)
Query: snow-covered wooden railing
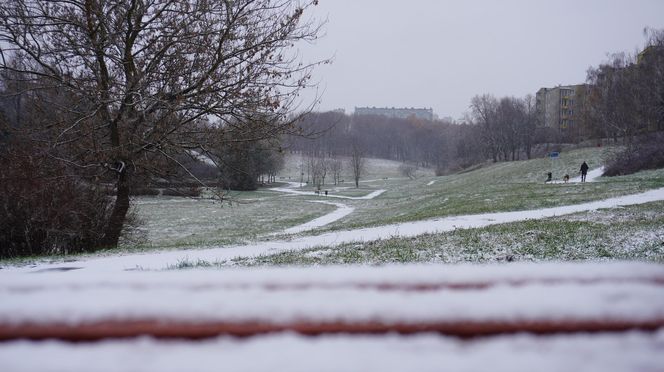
point(464, 301)
point(591, 317)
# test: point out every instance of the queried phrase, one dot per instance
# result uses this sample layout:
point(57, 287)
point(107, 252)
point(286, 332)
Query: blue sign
point(554, 154)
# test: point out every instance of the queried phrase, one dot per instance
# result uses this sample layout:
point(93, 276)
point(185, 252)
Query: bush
point(44, 210)
point(646, 155)
point(408, 170)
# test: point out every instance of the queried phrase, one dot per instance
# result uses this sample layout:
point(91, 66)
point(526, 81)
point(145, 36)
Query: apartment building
point(403, 113)
point(560, 107)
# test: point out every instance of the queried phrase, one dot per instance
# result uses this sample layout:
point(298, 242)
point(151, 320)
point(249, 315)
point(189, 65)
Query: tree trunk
point(117, 219)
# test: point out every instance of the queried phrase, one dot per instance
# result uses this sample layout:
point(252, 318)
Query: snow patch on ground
point(161, 260)
point(591, 176)
point(341, 212)
point(291, 185)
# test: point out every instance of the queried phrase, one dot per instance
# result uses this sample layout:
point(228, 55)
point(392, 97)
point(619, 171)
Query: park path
point(162, 260)
point(592, 176)
point(290, 189)
point(342, 210)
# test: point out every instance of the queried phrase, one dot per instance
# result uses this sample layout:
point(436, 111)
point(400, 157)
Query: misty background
point(439, 54)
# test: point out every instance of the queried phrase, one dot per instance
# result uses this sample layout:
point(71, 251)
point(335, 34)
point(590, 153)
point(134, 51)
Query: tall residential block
point(560, 107)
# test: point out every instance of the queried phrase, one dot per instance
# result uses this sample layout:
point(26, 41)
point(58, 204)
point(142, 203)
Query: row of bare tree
point(317, 165)
point(508, 125)
point(423, 143)
point(500, 129)
point(626, 95)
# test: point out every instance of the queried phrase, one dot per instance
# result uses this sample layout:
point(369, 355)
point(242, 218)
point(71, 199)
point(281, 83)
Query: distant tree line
point(501, 130)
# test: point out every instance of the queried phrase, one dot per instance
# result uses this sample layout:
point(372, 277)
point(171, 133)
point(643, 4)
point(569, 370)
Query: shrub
point(408, 170)
point(649, 154)
point(44, 210)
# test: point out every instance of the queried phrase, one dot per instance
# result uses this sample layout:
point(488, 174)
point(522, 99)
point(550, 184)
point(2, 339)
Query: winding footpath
point(342, 210)
point(162, 260)
point(290, 189)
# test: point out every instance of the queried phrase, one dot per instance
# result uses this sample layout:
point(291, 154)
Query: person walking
point(584, 171)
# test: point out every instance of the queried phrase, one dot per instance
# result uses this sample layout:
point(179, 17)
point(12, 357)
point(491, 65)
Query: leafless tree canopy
point(507, 125)
point(124, 81)
point(357, 163)
point(626, 98)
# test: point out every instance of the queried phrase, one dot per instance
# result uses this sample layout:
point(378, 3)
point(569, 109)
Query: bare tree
point(617, 105)
point(528, 124)
point(318, 170)
point(484, 113)
point(357, 163)
point(128, 81)
point(336, 166)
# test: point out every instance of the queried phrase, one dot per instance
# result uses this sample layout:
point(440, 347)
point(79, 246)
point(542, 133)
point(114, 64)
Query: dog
point(566, 178)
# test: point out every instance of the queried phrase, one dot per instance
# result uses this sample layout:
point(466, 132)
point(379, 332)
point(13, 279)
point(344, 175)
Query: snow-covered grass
point(187, 222)
point(190, 222)
point(175, 223)
point(629, 233)
point(510, 186)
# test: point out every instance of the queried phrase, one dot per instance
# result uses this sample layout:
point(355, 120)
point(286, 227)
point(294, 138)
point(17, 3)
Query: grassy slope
point(633, 233)
point(188, 222)
point(636, 232)
point(185, 222)
point(172, 222)
point(495, 187)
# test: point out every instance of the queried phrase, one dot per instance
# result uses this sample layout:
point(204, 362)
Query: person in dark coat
point(584, 171)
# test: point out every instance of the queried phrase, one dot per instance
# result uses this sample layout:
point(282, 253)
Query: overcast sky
point(440, 53)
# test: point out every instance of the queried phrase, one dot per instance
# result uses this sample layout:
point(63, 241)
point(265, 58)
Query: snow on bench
point(513, 317)
point(465, 300)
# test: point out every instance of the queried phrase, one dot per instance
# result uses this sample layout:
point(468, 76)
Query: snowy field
point(518, 316)
point(198, 222)
point(290, 208)
point(223, 255)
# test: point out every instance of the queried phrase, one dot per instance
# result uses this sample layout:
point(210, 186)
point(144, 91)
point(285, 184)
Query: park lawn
point(630, 233)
